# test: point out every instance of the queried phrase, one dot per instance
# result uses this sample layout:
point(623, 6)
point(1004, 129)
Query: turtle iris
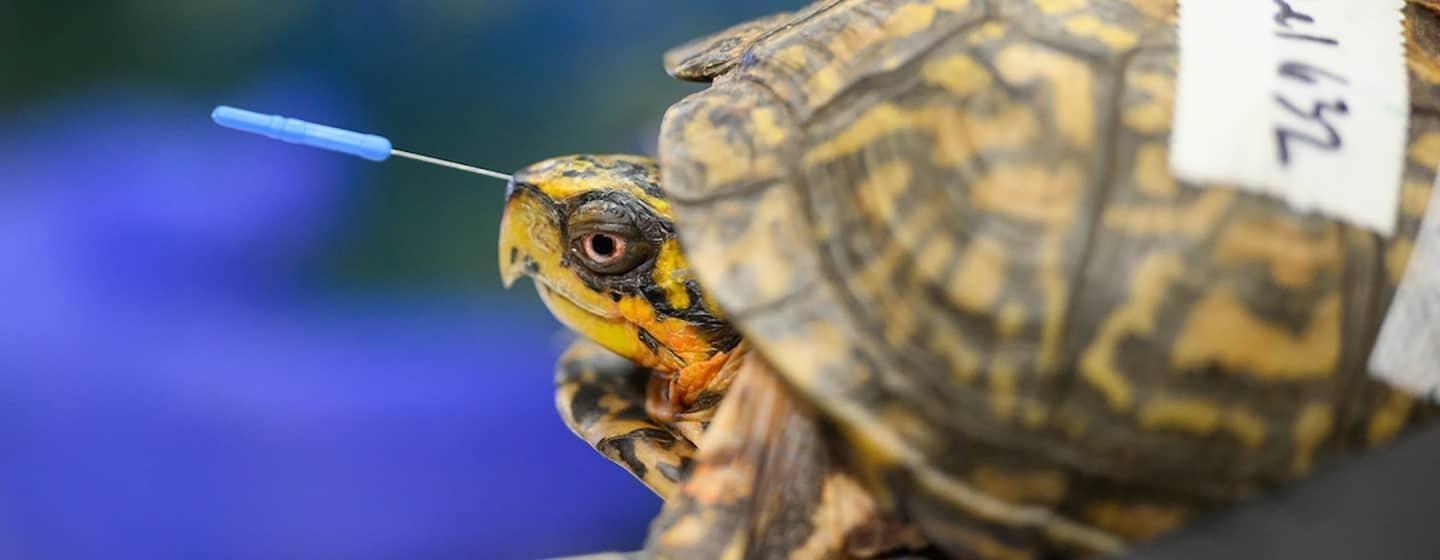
point(606, 240)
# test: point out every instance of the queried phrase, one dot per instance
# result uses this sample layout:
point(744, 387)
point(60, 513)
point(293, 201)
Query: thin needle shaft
point(450, 164)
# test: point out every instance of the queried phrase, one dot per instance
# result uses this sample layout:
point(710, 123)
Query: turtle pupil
point(603, 245)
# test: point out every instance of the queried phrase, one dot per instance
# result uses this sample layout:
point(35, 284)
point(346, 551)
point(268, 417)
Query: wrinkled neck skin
point(651, 309)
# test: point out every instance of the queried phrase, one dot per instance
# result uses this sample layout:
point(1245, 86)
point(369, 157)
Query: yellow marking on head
point(1136, 521)
point(1193, 220)
point(674, 334)
point(1295, 256)
point(979, 276)
point(618, 336)
point(1312, 426)
point(1155, 115)
point(1115, 37)
point(1149, 285)
point(1397, 259)
point(1222, 331)
point(1044, 487)
point(1202, 418)
point(1426, 150)
point(1389, 417)
point(957, 73)
point(1069, 81)
point(565, 177)
point(670, 273)
point(1415, 198)
point(1152, 172)
point(1029, 192)
point(1053, 7)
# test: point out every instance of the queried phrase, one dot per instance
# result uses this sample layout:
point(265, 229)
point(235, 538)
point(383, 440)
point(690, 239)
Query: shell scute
point(951, 226)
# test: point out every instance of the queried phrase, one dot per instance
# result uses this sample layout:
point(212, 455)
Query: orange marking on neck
point(678, 336)
point(688, 384)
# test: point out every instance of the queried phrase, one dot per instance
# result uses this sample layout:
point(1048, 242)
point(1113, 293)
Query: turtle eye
point(605, 240)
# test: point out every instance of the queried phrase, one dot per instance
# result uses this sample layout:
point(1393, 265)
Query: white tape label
point(1407, 352)
point(1306, 100)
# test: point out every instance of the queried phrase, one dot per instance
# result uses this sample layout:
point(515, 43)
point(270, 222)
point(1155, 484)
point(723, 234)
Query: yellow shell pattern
point(949, 224)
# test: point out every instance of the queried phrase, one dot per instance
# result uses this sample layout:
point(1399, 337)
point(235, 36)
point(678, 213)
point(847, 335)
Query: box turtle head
point(597, 237)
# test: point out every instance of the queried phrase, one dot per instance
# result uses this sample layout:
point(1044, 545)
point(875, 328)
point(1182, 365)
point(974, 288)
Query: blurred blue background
point(217, 346)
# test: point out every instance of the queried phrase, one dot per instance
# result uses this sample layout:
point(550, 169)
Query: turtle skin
point(948, 229)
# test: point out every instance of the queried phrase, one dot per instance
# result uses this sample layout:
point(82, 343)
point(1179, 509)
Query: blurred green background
point(219, 346)
point(496, 83)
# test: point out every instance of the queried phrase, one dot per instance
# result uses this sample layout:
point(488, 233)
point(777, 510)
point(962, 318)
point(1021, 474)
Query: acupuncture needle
point(295, 131)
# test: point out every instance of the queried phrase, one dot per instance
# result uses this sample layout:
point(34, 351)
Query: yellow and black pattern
point(949, 224)
point(601, 397)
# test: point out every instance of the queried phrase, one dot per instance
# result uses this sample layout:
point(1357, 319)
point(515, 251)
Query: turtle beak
point(529, 228)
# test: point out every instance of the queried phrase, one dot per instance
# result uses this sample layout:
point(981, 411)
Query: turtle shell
point(951, 226)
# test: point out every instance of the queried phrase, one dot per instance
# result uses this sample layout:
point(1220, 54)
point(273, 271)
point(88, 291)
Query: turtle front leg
point(601, 397)
point(766, 485)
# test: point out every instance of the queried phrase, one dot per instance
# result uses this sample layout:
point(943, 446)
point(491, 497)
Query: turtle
point(912, 278)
